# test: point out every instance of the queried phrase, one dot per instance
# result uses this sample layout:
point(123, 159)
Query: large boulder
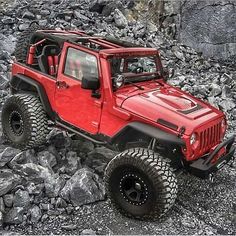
point(8, 180)
point(21, 199)
point(14, 216)
point(208, 26)
point(83, 187)
point(7, 155)
point(35, 214)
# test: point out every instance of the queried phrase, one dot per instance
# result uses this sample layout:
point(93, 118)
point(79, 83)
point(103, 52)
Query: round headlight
point(193, 138)
point(118, 81)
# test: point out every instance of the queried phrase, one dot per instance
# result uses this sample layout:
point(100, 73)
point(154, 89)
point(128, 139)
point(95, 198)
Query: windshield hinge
point(181, 131)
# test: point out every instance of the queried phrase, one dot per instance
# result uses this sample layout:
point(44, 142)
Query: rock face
point(207, 26)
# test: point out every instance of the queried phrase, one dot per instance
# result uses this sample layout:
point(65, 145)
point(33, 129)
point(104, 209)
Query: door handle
point(62, 85)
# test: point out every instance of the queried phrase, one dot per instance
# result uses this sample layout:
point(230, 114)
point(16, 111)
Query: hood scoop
point(179, 103)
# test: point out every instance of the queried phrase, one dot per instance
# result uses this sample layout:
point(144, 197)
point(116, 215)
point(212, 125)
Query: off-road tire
point(153, 174)
point(24, 121)
point(23, 42)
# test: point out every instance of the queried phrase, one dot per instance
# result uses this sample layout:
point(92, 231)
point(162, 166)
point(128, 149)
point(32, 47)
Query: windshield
point(136, 69)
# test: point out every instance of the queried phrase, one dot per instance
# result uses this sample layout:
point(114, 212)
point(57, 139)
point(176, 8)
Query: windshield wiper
point(139, 87)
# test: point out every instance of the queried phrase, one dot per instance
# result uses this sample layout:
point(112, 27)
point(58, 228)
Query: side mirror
point(90, 83)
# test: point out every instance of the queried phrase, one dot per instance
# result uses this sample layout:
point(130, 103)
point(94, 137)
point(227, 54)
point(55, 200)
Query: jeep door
point(75, 105)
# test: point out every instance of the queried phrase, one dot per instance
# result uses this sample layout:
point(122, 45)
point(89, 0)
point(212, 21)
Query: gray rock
point(8, 180)
point(216, 90)
point(81, 17)
point(69, 210)
point(86, 147)
point(110, 7)
point(44, 217)
point(23, 26)
point(14, 216)
point(227, 105)
point(35, 214)
point(47, 159)
point(2, 205)
point(1, 221)
point(8, 20)
point(8, 200)
point(28, 15)
point(69, 227)
point(226, 91)
point(33, 172)
point(73, 163)
point(23, 158)
point(58, 139)
point(97, 6)
point(83, 187)
point(4, 82)
point(60, 203)
point(45, 206)
point(53, 184)
point(21, 199)
point(120, 19)
point(7, 155)
point(34, 189)
point(88, 232)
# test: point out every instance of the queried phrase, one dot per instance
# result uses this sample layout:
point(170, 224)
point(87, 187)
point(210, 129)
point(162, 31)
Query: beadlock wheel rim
point(16, 123)
point(134, 189)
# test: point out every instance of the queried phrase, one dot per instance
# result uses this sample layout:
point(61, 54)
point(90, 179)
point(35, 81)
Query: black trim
point(167, 124)
point(80, 132)
point(196, 108)
point(203, 167)
point(153, 132)
point(15, 84)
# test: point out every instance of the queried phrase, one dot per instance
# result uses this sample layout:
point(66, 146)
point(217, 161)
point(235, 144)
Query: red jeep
point(114, 93)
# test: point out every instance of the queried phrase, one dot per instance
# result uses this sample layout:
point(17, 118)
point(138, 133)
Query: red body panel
point(108, 114)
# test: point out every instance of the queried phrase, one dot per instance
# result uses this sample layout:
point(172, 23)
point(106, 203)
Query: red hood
point(167, 103)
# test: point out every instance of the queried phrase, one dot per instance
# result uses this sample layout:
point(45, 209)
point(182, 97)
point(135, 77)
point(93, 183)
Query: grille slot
point(209, 137)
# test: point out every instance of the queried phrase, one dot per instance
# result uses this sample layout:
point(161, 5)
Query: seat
point(49, 59)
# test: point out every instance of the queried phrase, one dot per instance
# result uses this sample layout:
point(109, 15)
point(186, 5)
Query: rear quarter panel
point(48, 82)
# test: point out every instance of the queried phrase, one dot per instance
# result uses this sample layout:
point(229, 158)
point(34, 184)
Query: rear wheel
point(140, 184)
point(24, 121)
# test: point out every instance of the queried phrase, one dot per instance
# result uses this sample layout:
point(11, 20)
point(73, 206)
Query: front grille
point(210, 137)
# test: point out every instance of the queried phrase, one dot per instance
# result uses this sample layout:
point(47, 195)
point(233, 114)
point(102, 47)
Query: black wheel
point(140, 184)
point(24, 121)
point(23, 42)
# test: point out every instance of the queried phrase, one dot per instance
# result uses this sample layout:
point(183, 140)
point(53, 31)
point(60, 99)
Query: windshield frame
point(157, 74)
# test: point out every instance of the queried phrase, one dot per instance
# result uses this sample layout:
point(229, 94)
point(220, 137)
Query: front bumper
point(203, 167)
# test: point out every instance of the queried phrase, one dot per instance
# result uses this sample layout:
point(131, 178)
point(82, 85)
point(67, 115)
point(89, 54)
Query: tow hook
point(212, 178)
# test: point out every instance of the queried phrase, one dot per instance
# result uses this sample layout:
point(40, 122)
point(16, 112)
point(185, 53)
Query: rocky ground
point(58, 188)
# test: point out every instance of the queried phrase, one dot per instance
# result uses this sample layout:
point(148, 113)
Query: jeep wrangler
point(114, 93)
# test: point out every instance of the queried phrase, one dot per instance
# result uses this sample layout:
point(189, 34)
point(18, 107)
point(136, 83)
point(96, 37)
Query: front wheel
point(140, 184)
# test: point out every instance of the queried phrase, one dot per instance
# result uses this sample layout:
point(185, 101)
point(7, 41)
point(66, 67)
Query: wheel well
point(23, 84)
point(25, 87)
point(137, 134)
point(131, 138)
